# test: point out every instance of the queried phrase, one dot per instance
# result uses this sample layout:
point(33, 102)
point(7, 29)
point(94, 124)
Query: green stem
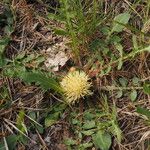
point(114, 88)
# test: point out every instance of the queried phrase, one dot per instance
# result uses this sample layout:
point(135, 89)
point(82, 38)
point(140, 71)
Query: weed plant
point(80, 19)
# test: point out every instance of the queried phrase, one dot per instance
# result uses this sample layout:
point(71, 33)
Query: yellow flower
point(75, 85)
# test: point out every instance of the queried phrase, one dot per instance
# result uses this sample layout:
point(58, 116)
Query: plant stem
point(114, 88)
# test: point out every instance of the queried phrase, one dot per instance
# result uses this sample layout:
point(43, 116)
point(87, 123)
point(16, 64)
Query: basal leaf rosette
point(75, 85)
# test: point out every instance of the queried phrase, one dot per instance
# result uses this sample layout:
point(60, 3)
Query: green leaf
point(39, 60)
point(69, 142)
point(116, 131)
point(136, 81)
point(120, 63)
point(3, 43)
point(29, 58)
point(108, 70)
point(88, 115)
point(89, 125)
point(115, 39)
point(56, 17)
point(146, 88)
point(123, 82)
point(119, 22)
point(134, 39)
point(96, 44)
point(12, 141)
point(84, 146)
point(51, 119)
point(102, 140)
point(32, 115)
point(133, 95)
point(147, 49)
point(3, 61)
point(59, 107)
point(2, 146)
point(20, 121)
point(119, 94)
point(88, 132)
point(51, 16)
point(40, 129)
point(105, 30)
point(60, 32)
point(75, 121)
point(42, 80)
point(143, 111)
point(119, 47)
point(20, 55)
point(9, 30)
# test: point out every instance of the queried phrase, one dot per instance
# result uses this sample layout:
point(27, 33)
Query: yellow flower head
point(75, 85)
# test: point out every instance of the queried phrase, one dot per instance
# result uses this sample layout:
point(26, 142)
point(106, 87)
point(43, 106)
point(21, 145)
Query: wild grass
point(80, 20)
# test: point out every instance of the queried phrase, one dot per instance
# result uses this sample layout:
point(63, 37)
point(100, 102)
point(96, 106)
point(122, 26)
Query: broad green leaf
point(3, 61)
point(147, 49)
point(88, 115)
point(115, 39)
point(51, 119)
point(88, 132)
point(14, 71)
point(59, 107)
point(123, 81)
point(136, 81)
point(3, 43)
point(119, 47)
point(146, 88)
point(40, 129)
point(12, 141)
point(20, 55)
point(32, 115)
point(29, 58)
point(102, 140)
point(89, 124)
point(60, 32)
point(80, 136)
point(42, 80)
point(119, 22)
point(53, 113)
point(52, 16)
point(143, 111)
point(39, 60)
point(75, 121)
point(105, 30)
point(2, 146)
point(133, 95)
point(84, 146)
point(9, 30)
point(95, 44)
point(69, 141)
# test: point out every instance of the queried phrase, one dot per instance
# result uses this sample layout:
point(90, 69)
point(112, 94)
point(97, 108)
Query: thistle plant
point(80, 20)
point(75, 85)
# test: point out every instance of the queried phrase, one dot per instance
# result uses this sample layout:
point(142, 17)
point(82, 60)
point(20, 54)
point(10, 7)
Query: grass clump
point(80, 20)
